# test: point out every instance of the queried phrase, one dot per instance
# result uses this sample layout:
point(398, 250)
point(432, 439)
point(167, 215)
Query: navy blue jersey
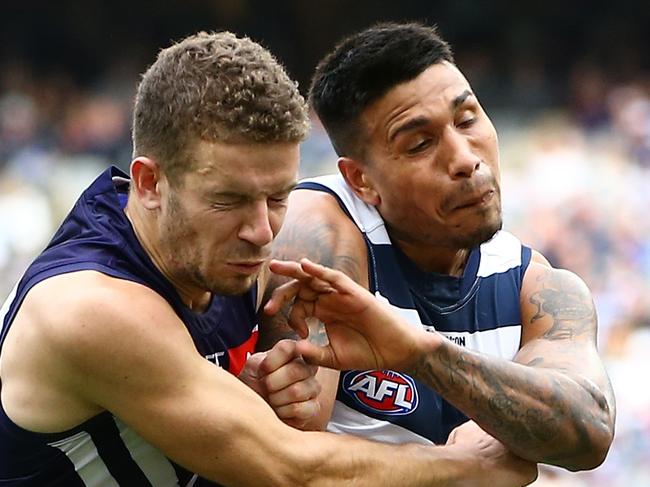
point(97, 235)
point(479, 310)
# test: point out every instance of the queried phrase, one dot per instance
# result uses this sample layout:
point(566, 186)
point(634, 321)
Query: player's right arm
point(107, 344)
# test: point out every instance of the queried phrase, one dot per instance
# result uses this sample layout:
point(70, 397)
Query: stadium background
point(566, 83)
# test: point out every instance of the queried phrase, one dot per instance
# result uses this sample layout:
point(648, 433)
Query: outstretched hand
point(363, 333)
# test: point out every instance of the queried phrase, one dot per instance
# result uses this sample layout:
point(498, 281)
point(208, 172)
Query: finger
point(309, 290)
point(295, 270)
point(294, 372)
point(288, 268)
point(300, 411)
point(336, 279)
point(281, 296)
point(317, 355)
point(303, 391)
point(280, 355)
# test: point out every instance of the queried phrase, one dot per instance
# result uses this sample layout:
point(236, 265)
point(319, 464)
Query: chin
point(480, 235)
point(233, 286)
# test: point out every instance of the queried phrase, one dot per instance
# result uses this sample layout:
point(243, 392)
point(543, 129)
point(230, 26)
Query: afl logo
point(382, 391)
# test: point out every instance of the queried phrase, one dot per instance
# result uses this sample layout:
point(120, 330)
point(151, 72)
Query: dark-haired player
point(415, 217)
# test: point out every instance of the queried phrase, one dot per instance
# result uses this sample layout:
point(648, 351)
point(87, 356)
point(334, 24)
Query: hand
point(285, 381)
point(490, 463)
point(363, 332)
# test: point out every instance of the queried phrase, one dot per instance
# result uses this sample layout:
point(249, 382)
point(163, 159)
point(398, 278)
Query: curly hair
point(365, 66)
point(214, 87)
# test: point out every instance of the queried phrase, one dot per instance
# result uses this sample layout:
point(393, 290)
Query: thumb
point(252, 365)
point(322, 356)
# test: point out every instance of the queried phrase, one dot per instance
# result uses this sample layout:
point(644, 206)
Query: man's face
point(432, 159)
point(216, 227)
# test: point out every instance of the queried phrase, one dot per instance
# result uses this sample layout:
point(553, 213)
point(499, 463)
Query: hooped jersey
point(479, 310)
point(97, 235)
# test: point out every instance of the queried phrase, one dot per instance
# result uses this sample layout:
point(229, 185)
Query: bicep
point(143, 367)
point(559, 326)
point(315, 227)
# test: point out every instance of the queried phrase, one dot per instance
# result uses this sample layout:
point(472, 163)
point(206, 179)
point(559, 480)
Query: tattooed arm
point(314, 227)
point(553, 404)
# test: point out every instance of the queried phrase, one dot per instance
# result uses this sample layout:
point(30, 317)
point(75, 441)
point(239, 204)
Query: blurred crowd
point(574, 183)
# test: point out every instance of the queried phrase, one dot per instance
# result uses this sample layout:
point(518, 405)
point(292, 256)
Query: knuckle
point(286, 345)
point(269, 383)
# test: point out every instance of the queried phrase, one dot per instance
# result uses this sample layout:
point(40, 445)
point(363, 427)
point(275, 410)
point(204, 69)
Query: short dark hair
point(214, 86)
point(362, 68)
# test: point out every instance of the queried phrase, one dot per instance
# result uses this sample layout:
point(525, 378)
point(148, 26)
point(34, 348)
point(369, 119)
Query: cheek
point(276, 218)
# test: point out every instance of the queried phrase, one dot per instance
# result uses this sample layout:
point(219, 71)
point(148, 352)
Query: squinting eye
point(467, 123)
point(279, 200)
point(419, 147)
point(221, 206)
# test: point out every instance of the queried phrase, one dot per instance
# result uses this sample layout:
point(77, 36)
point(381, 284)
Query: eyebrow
point(460, 99)
point(235, 194)
point(416, 123)
point(412, 124)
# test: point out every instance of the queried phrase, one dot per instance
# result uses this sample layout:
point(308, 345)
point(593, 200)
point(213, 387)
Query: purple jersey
point(97, 235)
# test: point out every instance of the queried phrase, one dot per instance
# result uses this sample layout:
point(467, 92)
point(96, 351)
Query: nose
point(257, 228)
point(457, 154)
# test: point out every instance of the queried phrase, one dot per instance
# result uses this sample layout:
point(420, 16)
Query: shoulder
point(542, 282)
point(100, 339)
point(306, 204)
point(87, 315)
point(316, 227)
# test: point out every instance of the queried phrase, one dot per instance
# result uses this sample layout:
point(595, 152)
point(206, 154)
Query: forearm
point(346, 460)
point(540, 414)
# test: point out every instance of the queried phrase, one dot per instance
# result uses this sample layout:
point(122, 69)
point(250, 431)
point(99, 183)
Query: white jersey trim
point(502, 342)
point(82, 452)
point(365, 216)
point(155, 466)
point(499, 254)
point(350, 421)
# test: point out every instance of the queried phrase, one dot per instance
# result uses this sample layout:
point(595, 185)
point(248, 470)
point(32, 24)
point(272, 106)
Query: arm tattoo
point(320, 242)
point(543, 410)
point(565, 303)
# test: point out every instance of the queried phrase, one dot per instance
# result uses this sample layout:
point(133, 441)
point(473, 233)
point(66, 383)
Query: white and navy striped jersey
point(479, 311)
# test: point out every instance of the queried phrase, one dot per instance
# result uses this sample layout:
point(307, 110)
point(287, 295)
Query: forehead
point(431, 94)
point(246, 168)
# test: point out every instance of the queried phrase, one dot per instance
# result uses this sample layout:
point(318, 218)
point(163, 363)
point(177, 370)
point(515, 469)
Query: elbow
point(594, 433)
point(592, 450)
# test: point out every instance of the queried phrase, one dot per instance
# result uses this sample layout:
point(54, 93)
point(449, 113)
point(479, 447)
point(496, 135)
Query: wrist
point(454, 466)
point(426, 346)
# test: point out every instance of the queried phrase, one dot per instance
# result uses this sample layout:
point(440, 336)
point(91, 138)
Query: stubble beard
point(185, 263)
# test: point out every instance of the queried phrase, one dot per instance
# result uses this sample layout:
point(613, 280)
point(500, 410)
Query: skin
point(112, 344)
point(429, 163)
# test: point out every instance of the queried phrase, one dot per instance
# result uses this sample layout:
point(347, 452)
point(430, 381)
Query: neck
point(147, 234)
point(442, 260)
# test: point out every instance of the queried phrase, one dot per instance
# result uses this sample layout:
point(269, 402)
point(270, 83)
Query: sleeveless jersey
point(97, 235)
point(479, 311)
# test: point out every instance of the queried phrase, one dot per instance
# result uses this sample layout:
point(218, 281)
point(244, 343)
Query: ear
point(145, 181)
point(355, 174)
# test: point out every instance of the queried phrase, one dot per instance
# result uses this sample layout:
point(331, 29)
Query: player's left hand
point(285, 381)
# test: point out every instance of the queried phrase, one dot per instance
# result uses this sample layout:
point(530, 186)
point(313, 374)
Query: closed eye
point(467, 123)
point(419, 147)
point(280, 201)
